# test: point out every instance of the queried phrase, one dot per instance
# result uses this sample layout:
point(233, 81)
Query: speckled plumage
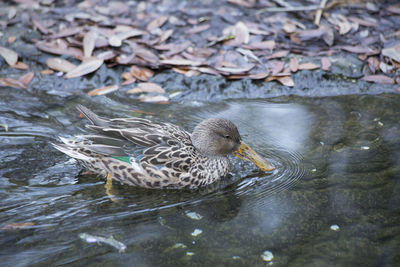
point(171, 157)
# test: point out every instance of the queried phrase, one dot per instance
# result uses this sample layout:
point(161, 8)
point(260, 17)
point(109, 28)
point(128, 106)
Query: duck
point(143, 153)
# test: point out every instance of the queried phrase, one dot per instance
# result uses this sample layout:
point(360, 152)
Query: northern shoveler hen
point(170, 157)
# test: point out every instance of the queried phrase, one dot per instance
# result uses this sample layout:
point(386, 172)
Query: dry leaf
point(9, 55)
point(142, 74)
point(157, 23)
point(11, 83)
point(89, 41)
point(103, 90)
point(289, 27)
point(360, 50)
point(278, 54)
point(325, 64)
point(293, 64)
point(286, 80)
point(308, 66)
point(46, 72)
point(180, 62)
point(12, 39)
point(65, 32)
point(158, 99)
point(198, 29)
point(261, 45)
point(146, 87)
point(392, 52)
point(242, 35)
point(378, 79)
point(20, 65)
point(58, 50)
point(26, 78)
point(88, 66)
point(60, 64)
point(373, 64)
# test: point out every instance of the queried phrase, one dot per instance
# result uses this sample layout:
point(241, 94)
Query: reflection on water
point(337, 162)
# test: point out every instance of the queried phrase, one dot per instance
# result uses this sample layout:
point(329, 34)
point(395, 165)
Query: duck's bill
point(246, 153)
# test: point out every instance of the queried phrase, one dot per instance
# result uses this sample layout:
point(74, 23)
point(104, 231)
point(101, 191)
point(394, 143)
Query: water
point(334, 198)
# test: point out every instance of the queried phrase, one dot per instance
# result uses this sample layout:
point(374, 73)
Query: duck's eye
point(227, 137)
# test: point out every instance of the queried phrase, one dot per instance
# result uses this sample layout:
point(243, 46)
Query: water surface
point(333, 200)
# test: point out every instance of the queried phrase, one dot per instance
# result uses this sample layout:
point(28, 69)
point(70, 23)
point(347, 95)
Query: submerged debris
point(193, 215)
point(267, 255)
point(107, 240)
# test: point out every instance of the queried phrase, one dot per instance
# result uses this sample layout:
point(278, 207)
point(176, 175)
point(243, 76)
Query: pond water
point(334, 198)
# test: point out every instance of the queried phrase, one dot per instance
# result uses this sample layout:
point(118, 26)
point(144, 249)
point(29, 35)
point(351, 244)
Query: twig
point(318, 14)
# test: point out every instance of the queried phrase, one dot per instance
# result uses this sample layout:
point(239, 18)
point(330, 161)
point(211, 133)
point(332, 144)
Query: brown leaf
point(285, 80)
point(187, 72)
point(151, 88)
point(11, 83)
point(89, 41)
point(261, 45)
point(26, 78)
point(293, 64)
point(46, 72)
point(40, 26)
point(65, 32)
point(60, 64)
point(324, 32)
point(278, 54)
point(142, 74)
point(12, 226)
point(156, 23)
point(58, 50)
point(242, 70)
point(289, 27)
point(373, 64)
point(11, 39)
point(198, 29)
point(359, 50)
point(242, 35)
point(392, 52)
point(103, 90)
point(308, 66)
point(180, 62)
point(88, 66)
point(9, 55)
point(20, 66)
point(157, 99)
point(325, 64)
point(378, 79)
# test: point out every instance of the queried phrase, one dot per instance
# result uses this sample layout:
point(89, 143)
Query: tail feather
point(93, 117)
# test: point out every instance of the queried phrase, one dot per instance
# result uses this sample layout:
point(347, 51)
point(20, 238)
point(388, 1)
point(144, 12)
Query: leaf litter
point(144, 39)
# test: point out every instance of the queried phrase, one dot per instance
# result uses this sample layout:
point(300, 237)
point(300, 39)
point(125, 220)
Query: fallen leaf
point(180, 62)
point(378, 79)
point(46, 72)
point(156, 23)
point(289, 27)
point(58, 50)
point(89, 41)
point(65, 32)
point(308, 66)
point(373, 64)
point(20, 65)
point(60, 64)
point(10, 56)
point(293, 64)
point(392, 52)
point(157, 99)
point(325, 64)
point(359, 50)
point(12, 39)
point(242, 70)
point(142, 74)
point(242, 35)
point(385, 68)
point(198, 29)
point(278, 54)
point(12, 226)
point(11, 83)
point(88, 66)
point(103, 90)
point(285, 80)
point(261, 45)
point(147, 87)
point(26, 78)
point(187, 72)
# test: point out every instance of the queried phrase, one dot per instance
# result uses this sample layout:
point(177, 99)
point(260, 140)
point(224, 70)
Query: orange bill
point(246, 153)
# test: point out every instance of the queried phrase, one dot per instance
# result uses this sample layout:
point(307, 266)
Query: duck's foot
point(108, 187)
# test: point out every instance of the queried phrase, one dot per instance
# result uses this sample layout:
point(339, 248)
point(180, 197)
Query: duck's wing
point(139, 131)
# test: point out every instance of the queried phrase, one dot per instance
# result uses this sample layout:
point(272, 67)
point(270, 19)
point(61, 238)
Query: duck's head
point(220, 137)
